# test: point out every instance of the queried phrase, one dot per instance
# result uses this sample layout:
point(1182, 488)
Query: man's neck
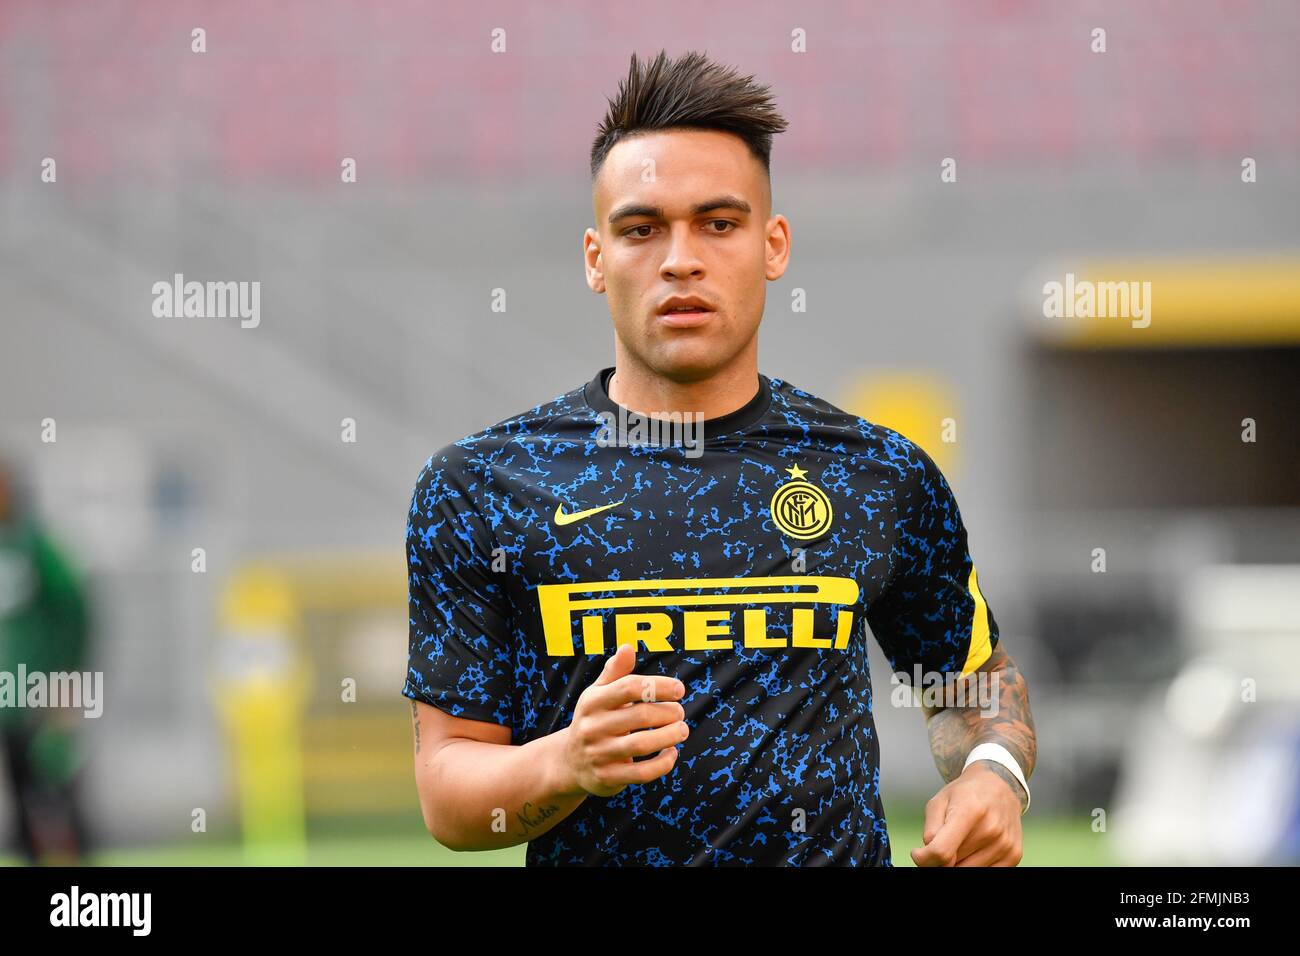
point(639, 389)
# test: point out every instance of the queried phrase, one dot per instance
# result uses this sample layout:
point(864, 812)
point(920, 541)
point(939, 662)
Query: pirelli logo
point(712, 626)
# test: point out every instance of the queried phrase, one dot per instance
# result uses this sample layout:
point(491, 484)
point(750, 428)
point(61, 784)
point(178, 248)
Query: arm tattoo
point(415, 720)
point(539, 816)
point(955, 731)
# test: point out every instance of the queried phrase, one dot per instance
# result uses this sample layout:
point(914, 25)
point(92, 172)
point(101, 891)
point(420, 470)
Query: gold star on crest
point(796, 473)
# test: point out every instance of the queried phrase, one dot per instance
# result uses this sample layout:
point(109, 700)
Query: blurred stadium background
point(225, 688)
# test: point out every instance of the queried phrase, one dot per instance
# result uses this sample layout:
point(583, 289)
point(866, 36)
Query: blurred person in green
point(43, 628)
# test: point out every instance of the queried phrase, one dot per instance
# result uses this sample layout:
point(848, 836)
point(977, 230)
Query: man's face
point(684, 213)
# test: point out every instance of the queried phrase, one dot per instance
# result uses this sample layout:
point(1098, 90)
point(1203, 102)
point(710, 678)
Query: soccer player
point(636, 639)
point(44, 628)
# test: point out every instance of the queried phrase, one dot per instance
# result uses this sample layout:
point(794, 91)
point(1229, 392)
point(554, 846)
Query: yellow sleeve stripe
point(980, 645)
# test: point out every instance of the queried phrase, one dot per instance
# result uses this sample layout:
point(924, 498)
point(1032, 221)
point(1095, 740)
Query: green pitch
point(1049, 841)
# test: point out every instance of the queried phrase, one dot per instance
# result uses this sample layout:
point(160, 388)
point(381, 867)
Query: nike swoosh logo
point(562, 519)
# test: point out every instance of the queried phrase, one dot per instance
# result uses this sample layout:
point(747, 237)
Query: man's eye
point(726, 222)
point(635, 228)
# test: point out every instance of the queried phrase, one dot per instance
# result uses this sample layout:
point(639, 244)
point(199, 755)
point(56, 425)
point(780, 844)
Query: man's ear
point(591, 256)
point(777, 247)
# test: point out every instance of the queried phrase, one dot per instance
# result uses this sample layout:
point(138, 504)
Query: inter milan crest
point(800, 508)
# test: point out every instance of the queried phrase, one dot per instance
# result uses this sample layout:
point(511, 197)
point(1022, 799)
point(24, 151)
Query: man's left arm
point(975, 819)
point(932, 618)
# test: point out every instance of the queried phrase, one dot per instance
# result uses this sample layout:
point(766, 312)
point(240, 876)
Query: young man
point(630, 646)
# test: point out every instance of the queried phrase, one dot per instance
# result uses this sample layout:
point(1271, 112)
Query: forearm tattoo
point(955, 731)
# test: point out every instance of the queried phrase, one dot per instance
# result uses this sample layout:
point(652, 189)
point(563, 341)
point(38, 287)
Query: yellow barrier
point(265, 686)
point(1192, 304)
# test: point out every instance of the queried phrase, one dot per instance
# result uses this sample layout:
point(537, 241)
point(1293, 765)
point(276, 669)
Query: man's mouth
point(684, 311)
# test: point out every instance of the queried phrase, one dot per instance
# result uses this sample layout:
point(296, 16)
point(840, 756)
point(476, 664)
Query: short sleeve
point(932, 613)
point(460, 659)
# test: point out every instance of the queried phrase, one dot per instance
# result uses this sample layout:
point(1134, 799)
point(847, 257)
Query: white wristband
point(999, 754)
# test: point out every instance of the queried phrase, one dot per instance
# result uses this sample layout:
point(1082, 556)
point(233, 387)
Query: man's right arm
point(477, 792)
point(480, 792)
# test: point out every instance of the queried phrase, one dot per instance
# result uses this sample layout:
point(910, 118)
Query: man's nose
point(682, 258)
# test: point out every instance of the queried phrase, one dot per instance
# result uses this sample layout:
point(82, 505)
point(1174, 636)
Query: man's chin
point(684, 361)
